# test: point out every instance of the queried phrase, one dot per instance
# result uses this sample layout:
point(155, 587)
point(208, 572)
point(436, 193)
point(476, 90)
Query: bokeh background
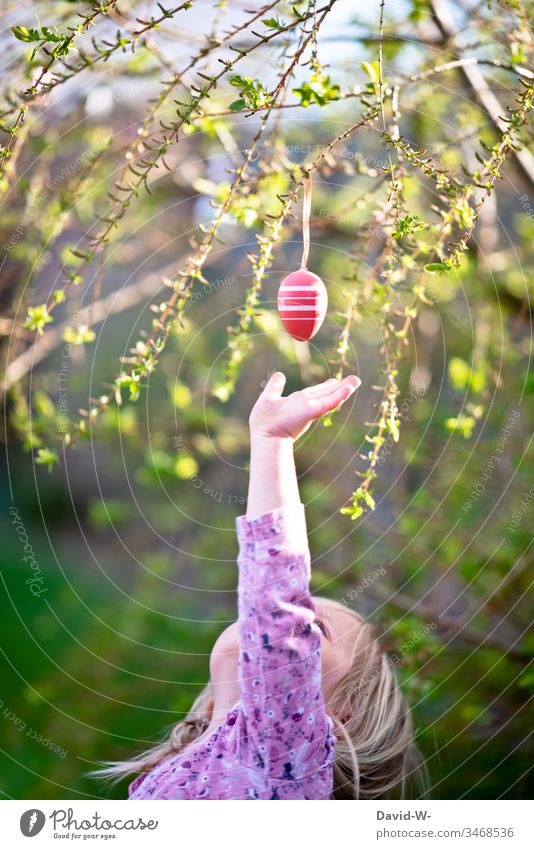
point(131, 527)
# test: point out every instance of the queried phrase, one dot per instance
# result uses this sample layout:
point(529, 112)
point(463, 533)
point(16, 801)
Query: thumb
point(275, 384)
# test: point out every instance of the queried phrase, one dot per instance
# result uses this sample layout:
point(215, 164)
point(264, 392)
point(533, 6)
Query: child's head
point(375, 752)
point(375, 749)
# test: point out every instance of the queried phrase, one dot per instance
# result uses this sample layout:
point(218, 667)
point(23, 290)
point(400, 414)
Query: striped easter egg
point(302, 304)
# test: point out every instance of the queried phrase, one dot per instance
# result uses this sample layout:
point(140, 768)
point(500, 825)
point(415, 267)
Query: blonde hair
point(375, 752)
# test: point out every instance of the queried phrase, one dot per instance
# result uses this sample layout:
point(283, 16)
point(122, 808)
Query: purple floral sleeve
point(285, 730)
point(277, 741)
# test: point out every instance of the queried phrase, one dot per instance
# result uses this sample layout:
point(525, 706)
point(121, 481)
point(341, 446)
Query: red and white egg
point(302, 304)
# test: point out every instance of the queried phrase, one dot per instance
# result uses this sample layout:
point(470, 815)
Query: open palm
point(276, 416)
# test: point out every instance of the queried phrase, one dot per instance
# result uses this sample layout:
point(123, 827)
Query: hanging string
point(306, 212)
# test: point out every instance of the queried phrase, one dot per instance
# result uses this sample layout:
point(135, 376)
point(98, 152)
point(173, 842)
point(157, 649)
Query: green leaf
point(407, 225)
point(369, 500)
point(318, 90)
point(221, 391)
point(273, 23)
point(25, 34)
point(185, 466)
point(372, 69)
point(253, 94)
point(127, 381)
point(79, 335)
point(393, 428)
point(422, 295)
point(462, 376)
point(37, 318)
point(461, 423)
point(47, 457)
point(459, 373)
point(181, 396)
point(48, 35)
point(433, 267)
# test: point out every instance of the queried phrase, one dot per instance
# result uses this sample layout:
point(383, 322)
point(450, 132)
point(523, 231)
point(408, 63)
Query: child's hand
point(274, 416)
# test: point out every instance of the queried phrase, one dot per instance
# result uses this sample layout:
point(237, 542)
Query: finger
point(352, 380)
point(320, 387)
point(275, 385)
point(327, 403)
point(324, 390)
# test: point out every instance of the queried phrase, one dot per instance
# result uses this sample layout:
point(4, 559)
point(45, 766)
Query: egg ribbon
point(302, 297)
point(306, 213)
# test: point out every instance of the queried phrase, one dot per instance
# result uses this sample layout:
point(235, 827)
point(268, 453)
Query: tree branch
point(92, 314)
point(482, 93)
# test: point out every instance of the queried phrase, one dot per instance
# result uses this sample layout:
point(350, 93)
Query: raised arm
point(284, 728)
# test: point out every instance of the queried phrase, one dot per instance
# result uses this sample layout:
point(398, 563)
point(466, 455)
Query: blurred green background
point(132, 526)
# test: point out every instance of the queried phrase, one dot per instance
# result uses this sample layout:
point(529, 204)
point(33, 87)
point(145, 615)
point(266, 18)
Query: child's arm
point(284, 728)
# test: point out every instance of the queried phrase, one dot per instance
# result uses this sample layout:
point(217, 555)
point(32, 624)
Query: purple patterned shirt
point(277, 741)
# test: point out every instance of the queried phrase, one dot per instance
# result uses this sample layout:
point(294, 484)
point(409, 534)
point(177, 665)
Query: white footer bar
point(405, 825)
